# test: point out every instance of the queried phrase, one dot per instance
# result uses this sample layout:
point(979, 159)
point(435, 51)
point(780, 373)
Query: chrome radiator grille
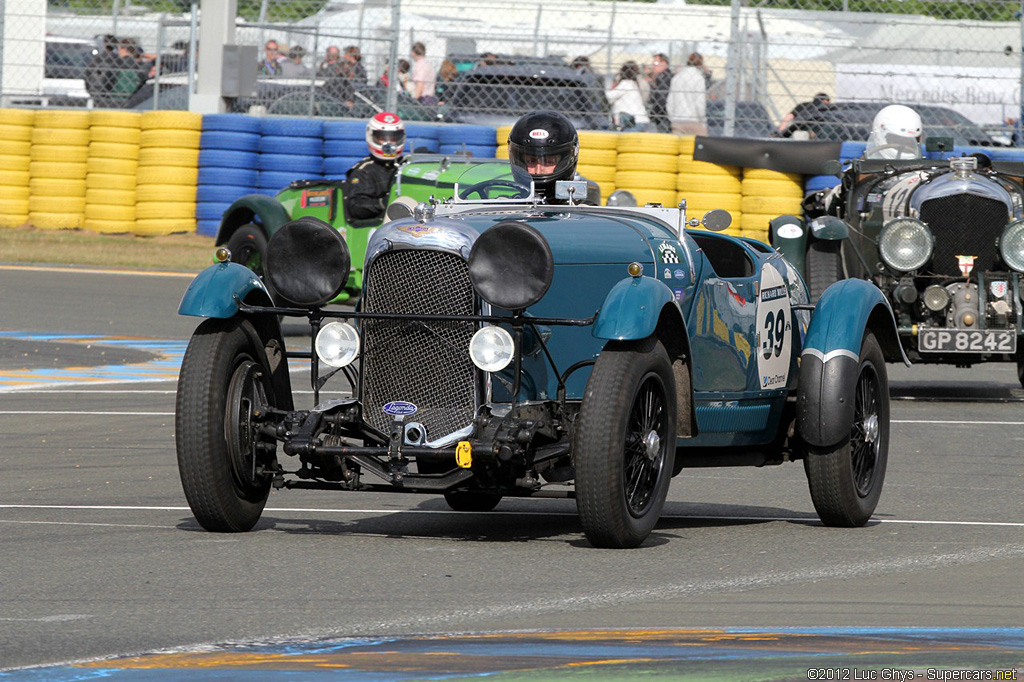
point(425, 363)
point(964, 225)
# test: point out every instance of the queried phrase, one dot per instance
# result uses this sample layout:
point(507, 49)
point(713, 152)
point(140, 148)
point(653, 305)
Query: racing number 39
point(774, 333)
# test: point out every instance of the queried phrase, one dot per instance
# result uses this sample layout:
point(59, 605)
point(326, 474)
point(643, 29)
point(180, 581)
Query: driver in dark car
point(543, 147)
point(368, 182)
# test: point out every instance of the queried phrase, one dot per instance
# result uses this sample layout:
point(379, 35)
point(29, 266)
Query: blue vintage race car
point(510, 348)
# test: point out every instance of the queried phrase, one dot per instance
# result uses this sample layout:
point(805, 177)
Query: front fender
point(788, 235)
point(829, 228)
point(217, 290)
point(830, 360)
point(632, 308)
point(259, 209)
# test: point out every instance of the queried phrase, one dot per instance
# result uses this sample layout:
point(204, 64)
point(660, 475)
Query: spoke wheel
point(824, 266)
point(224, 468)
point(624, 446)
point(846, 481)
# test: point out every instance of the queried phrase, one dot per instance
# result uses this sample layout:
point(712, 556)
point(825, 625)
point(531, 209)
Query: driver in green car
point(369, 181)
point(543, 147)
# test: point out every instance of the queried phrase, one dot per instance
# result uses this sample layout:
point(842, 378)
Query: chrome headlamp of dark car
point(905, 244)
point(1011, 245)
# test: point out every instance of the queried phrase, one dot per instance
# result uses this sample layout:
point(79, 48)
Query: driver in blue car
point(543, 146)
point(369, 181)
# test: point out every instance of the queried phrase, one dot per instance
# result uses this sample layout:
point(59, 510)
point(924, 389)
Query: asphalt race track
point(104, 574)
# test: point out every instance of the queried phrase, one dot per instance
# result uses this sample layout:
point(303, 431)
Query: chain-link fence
point(717, 67)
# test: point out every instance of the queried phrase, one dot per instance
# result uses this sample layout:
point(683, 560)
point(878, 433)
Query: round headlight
point(1011, 245)
point(936, 298)
point(905, 244)
point(491, 348)
point(337, 344)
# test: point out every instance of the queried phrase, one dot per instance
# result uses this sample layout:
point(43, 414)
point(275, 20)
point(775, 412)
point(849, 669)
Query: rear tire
point(824, 266)
point(625, 443)
point(846, 481)
point(224, 471)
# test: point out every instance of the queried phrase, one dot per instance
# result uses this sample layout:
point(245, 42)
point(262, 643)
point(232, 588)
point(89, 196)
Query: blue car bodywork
point(717, 330)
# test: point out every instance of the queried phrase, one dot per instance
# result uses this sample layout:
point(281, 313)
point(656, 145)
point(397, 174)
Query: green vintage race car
point(252, 220)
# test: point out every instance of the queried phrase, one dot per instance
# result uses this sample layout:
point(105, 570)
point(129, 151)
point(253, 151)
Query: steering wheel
point(480, 188)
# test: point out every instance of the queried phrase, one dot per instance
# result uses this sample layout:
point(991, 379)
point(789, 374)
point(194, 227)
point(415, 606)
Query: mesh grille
point(964, 225)
point(425, 363)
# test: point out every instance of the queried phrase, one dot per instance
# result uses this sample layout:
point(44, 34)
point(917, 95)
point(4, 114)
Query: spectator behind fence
point(101, 72)
point(805, 110)
point(354, 65)
point(445, 77)
point(628, 110)
point(424, 81)
point(332, 65)
point(271, 63)
point(661, 83)
point(687, 99)
point(293, 66)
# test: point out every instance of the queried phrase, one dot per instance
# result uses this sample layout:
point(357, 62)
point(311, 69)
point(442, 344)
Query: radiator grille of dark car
point(425, 363)
point(964, 225)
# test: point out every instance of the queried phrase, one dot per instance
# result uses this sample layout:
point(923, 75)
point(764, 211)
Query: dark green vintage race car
point(252, 220)
point(510, 348)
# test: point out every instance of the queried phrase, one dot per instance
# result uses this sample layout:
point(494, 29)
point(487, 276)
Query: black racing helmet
point(546, 141)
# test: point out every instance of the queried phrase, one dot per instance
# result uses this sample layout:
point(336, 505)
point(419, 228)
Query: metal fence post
point(392, 98)
point(731, 70)
point(611, 35)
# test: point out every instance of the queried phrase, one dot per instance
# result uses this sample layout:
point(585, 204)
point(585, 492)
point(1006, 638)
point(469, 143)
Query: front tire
point(846, 481)
point(248, 247)
point(824, 266)
point(625, 443)
point(223, 465)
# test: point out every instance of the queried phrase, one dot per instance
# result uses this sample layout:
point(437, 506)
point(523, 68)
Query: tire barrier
point(344, 146)
point(16, 127)
point(278, 166)
point(169, 140)
point(111, 171)
point(57, 169)
point(768, 194)
point(474, 140)
point(646, 166)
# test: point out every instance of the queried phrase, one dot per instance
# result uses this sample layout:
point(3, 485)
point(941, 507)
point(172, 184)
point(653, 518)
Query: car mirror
point(938, 144)
point(402, 207)
point(833, 167)
point(716, 220)
point(574, 190)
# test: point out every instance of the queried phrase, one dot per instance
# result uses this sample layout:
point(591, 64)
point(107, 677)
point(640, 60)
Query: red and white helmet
point(385, 136)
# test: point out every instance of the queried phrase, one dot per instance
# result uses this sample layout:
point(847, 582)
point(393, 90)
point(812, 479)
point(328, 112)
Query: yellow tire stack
point(110, 171)
point(501, 138)
point(647, 166)
point(599, 159)
point(165, 194)
point(57, 162)
point(15, 147)
point(706, 186)
point(768, 194)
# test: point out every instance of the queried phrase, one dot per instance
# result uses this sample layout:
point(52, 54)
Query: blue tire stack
point(290, 149)
point(478, 141)
point(228, 157)
point(344, 145)
point(848, 151)
point(421, 138)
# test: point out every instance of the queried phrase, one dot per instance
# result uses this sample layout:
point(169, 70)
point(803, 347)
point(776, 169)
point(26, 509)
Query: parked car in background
point(508, 348)
point(851, 121)
point(751, 119)
point(497, 95)
point(943, 239)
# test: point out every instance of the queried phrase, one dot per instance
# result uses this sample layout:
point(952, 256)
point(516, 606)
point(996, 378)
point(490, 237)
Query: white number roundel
point(774, 330)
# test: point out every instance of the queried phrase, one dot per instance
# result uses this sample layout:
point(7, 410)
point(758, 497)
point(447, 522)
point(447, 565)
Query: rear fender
point(258, 209)
point(830, 360)
point(639, 307)
point(217, 291)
